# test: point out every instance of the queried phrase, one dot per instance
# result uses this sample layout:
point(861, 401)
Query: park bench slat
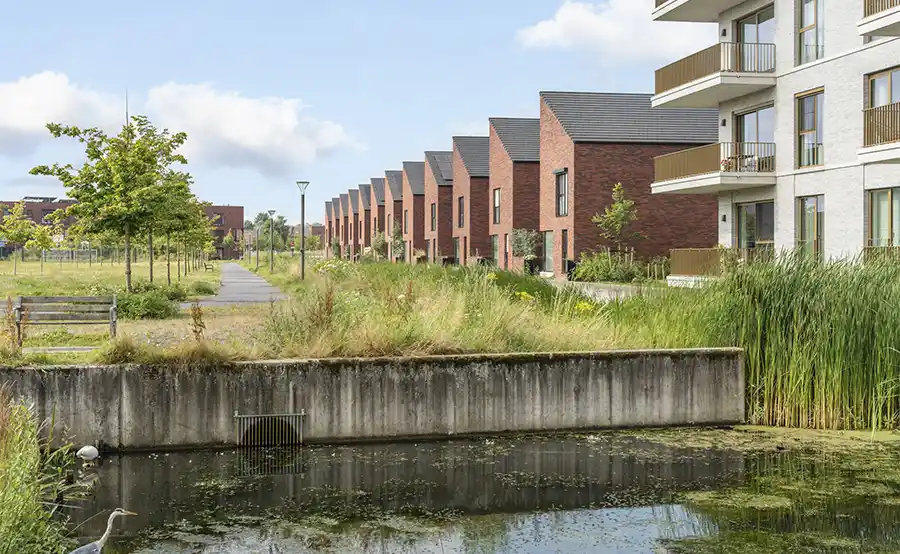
point(67, 300)
point(56, 316)
point(63, 308)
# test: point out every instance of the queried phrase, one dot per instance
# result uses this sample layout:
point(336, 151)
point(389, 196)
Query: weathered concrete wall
point(382, 398)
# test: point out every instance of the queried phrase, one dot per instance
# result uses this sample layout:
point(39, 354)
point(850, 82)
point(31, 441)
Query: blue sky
point(334, 91)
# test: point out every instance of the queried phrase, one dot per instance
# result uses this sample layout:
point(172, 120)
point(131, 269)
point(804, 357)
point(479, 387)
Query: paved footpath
point(241, 286)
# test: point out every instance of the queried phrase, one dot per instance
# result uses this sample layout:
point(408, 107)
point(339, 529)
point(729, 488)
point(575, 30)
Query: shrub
point(204, 288)
point(610, 266)
point(153, 304)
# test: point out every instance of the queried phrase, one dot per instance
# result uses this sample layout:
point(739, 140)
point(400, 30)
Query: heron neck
point(109, 524)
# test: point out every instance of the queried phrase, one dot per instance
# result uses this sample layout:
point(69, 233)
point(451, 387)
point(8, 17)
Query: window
point(811, 225)
point(375, 224)
point(884, 88)
point(758, 33)
point(562, 194)
point(755, 225)
point(465, 249)
point(564, 242)
point(405, 221)
point(433, 216)
point(548, 251)
point(496, 206)
point(811, 35)
point(810, 115)
point(495, 249)
point(456, 253)
point(884, 217)
point(506, 251)
point(428, 249)
point(45, 214)
point(460, 211)
point(218, 220)
point(755, 135)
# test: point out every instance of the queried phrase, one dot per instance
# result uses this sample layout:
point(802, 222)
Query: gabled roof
point(345, 204)
point(520, 137)
point(394, 178)
point(335, 206)
point(365, 195)
point(354, 200)
point(378, 190)
point(328, 209)
point(415, 172)
point(615, 117)
point(441, 164)
point(476, 154)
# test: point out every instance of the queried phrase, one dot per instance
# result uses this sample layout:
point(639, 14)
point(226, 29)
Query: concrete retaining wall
point(384, 398)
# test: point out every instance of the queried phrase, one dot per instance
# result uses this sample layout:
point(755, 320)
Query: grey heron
point(97, 546)
point(88, 455)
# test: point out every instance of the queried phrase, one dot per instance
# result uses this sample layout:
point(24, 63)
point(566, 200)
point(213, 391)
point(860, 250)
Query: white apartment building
point(809, 99)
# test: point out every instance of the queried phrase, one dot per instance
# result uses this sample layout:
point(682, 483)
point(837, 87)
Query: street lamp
point(302, 186)
point(271, 241)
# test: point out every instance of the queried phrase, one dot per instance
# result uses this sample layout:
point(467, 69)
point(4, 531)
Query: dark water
point(602, 493)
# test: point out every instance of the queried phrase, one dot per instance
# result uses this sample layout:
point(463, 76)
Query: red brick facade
point(474, 239)
point(376, 224)
point(412, 220)
point(393, 214)
point(519, 184)
point(440, 238)
point(667, 221)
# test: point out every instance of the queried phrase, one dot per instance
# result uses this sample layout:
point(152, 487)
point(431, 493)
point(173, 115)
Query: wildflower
point(584, 307)
point(401, 297)
point(524, 296)
point(492, 276)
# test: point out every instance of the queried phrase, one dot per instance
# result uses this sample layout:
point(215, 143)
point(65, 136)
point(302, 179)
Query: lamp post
point(302, 186)
point(271, 241)
point(257, 249)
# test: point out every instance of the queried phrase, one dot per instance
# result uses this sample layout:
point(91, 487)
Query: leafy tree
point(336, 247)
point(398, 245)
point(17, 229)
point(41, 239)
point(379, 245)
point(616, 220)
point(524, 243)
point(313, 242)
point(124, 177)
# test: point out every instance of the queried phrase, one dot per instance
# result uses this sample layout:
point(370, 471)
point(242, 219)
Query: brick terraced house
point(345, 225)
point(364, 217)
point(376, 201)
point(354, 218)
point(393, 207)
point(413, 222)
point(471, 166)
point(438, 205)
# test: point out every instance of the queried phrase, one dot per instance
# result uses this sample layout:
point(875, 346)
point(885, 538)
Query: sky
point(329, 91)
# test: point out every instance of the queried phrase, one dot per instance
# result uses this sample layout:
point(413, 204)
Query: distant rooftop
point(394, 178)
point(365, 196)
point(345, 204)
point(624, 118)
point(415, 172)
point(378, 190)
point(476, 154)
point(520, 136)
point(441, 164)
point(354, 200)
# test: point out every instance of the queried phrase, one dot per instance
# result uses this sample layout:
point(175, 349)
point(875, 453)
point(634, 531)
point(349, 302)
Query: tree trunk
point(127, 261)
point(150, 252)
point(15, 263)
point(168, 262)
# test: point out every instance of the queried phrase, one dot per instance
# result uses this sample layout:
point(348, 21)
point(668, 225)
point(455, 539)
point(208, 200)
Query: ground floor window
point(884, 217)
point(506, 251)
point(755, 225)
point(811, 224)
point(564, 243)
point(456, 252)
point(548, 251)
point(428, 249)
point(495, 249)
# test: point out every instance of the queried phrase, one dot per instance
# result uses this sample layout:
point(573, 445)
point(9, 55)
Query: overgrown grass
point(31, 482)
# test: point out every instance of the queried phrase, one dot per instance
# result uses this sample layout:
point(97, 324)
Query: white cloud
point(28, 104)
point(226, 129)
point(271, 135)
point(621, 30)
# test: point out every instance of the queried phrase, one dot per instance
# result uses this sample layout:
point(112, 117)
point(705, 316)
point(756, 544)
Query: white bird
point(97, 546)
point(88, 455)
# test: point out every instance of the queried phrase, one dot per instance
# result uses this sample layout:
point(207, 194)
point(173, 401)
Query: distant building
point(226, 220)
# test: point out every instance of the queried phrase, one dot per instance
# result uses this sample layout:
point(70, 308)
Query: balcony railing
point(712, 262)
point(731, 57)
point(881, 253)
point(725, 157)
point(872, 6)
point(882, 124)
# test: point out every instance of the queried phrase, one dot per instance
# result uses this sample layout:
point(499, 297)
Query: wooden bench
point(65, 310)
point(208, 267)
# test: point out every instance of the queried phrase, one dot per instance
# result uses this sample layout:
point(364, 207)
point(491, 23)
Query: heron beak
point(127, 513)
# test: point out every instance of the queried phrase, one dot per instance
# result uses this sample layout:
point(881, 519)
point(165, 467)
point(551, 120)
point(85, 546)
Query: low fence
point(384, 398)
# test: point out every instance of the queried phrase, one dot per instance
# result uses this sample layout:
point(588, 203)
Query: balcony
point(881, 135)
point(881, 18)
point(722, 72)
point(703, 11)
point(714, 168)
point(692, 266)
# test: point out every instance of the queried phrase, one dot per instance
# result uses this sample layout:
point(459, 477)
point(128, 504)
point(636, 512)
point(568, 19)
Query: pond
point(607, 492)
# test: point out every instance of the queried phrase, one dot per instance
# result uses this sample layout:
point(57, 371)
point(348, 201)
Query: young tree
point(16, 229)
point(616, 220)
point(118, 187)
point(398, 245)
point(313, 242)
point(41, 239)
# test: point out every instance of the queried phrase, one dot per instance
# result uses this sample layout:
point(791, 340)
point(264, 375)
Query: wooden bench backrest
point(74, 310)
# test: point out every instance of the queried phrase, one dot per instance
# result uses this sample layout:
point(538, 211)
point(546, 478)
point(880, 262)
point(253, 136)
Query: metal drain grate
point(269, 429)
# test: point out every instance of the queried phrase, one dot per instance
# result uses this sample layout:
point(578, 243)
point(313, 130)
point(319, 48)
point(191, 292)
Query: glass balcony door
point(755, 134)
point(755, 225)
point(757, 29)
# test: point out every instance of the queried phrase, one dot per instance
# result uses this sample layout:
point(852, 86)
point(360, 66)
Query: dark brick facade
point(519, 184)
point(474, 239)
point(393, 214)
point(441, 238)
point(376, 219)
point(667, 221)
point(414, 209)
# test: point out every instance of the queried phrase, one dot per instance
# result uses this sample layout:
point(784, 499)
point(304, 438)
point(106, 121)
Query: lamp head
point(271, 213)
point(302, 186)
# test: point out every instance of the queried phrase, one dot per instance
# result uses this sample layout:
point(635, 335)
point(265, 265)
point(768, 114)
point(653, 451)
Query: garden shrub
point(152, 304)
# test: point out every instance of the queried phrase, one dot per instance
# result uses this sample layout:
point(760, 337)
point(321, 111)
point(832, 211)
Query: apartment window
point(433, 216)
point(460, 211)
point(495, 249)
point(496, 206)
point(883, 108)
point(810, 115)
point(465, 249)
point(757, 35)
point(564, 242)
point(428, 249)
point(405, 221)
point(811, 35)
point(218, 220)
point(884, 217)
point(562, 194)
point(456, 253)
point(375, 224)
point(884, 88)
point(548, 251)
point(755, 138)
point(811, 225)
point(755, 225)
point(506, 251)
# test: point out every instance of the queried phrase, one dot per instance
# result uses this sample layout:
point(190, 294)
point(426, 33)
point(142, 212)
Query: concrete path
point(240, 286)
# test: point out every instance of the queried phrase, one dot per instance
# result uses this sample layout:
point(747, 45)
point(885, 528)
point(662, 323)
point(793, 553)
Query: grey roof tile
point(475, 153)
point(365, 196)
point(354, 200)
point(520, 137)
point(335, 206)
point(441, 163)
point(378, 190)
point(618, 117)
point(394, 178)
point(328, 209)
point(345, 204)
point(415, 172)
